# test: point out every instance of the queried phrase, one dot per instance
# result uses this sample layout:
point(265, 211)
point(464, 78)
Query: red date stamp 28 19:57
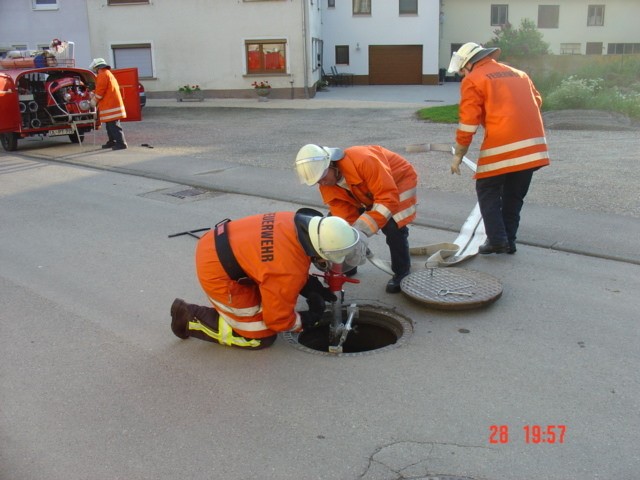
point(539, 434)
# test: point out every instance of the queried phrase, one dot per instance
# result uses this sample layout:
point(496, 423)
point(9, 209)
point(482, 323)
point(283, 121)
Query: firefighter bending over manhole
point(372, 188)
point(253, 269)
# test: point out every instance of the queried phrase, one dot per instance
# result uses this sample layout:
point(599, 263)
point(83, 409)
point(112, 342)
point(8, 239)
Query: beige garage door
point(395, 65)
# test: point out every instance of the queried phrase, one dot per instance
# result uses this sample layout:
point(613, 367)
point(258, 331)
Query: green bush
point(612, 87)
point(573, 92)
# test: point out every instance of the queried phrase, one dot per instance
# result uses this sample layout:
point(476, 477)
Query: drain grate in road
point(443, 477)
point(190, 192)
point(180, 194)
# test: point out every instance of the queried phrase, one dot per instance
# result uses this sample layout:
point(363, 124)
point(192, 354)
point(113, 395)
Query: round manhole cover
point(452, 288)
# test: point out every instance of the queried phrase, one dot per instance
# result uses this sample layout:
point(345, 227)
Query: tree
point(525, 41)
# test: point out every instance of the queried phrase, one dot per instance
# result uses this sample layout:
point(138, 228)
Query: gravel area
point(594, 155)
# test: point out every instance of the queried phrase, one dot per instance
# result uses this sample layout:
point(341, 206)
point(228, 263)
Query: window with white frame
point(408, 7)
point(362, 7)
point(331, 3)
point(548, 16)
point(595, 16)
point(625, 48)
point(499, 15)
point(134, 56)
point(125, 2)
point(570, 48)
point(44, 4)
point(265, 56)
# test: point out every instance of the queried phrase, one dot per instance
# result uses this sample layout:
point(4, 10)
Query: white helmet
point(332, 237)
point(98, 63)
point(312, 162)
point(467, 52)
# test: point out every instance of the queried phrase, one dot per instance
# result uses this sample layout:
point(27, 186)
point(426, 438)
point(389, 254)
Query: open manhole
point(376, 329)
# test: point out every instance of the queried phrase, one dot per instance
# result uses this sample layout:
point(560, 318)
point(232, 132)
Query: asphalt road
point(94, 385)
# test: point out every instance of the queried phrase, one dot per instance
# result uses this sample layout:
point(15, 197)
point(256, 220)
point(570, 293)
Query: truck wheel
point(9, 141)
point(74, 138)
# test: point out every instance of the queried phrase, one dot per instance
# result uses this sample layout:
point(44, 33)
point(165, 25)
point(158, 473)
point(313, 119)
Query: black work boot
point(393, 285)
point(180, 318)
point(109, 144)
point(486, 248)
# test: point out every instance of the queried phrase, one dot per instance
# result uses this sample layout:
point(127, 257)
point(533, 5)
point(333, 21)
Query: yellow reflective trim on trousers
point(226, 332)
point(225, 338)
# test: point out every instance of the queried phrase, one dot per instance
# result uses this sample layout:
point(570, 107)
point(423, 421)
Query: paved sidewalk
point(376, 96)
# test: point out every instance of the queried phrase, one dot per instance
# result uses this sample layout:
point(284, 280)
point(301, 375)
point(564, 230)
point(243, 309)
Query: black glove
point(313, 285)
point(314, 316)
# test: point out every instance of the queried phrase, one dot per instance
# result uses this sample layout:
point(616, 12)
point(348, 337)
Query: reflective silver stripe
point(238, 312)
point(530, 142)
point(113, 110)
point(512, 162)
point(256, 326)
point(407, 194)
point(115, 116)
point(382, 210)
point(366, 224)
point(406, 213)
point(467, 128)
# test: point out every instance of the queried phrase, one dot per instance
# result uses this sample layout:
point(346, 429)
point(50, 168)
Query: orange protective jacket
point(266, 246)
point(506, 103)
point(110, 104)
point(377, 185)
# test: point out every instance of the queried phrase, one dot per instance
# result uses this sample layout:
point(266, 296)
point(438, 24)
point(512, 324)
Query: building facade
point(225, 46)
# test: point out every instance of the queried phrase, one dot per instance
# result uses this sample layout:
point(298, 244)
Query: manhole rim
point(404, 325)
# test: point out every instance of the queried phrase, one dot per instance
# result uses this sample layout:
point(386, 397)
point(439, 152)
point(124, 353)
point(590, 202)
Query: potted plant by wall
point(190, 93)
point(263, 89)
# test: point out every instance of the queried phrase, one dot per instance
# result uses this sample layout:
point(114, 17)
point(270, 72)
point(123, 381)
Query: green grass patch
point(443, 114)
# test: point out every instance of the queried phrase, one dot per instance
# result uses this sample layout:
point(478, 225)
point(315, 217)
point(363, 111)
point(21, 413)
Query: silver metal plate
point(59, 132)
point(452, 288)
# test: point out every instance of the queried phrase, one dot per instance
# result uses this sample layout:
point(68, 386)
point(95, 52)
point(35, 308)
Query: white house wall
point(470, 21)
point(383, 27)
point(20, 24)
point(201, 41)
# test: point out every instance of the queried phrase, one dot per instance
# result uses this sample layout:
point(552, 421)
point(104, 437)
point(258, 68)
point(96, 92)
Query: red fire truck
point(44, 94)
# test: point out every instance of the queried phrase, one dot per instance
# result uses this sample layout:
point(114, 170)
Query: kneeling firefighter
point(253, 269)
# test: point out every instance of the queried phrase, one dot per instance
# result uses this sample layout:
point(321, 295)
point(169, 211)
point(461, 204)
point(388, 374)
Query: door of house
point(395, 65)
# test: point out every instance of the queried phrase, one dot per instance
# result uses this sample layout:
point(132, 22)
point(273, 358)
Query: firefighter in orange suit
point(372, 188)
point(253, 270)
point(506, 104)
point(108, 99)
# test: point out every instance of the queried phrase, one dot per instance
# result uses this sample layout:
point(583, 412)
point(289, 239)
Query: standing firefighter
point(372, 188)
point(108, 99)
point(253, 269)
point(506, 103)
